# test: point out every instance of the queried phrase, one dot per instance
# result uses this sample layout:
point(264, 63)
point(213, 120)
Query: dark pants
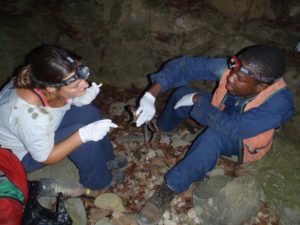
point(203, 153)
point(90, 158)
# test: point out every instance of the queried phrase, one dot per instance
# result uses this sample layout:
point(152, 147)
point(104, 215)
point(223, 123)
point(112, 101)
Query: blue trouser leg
point(91, 157)
point(171, 118)
point(200, 159)
point(204, 152)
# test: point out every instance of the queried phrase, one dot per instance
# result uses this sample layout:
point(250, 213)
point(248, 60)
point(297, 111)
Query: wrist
point(195, 98)
point(81, 135)
point(149, 96)
point(155, 89)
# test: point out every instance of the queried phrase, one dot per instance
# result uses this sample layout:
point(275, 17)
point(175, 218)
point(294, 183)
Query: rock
point(178, 142)
point(278, 175)
point(110, 201)
point(123, 220)
point(151, 154)
point(169, 222)
point(76, 211)
point(239, 9)
point(62, 170)
point(225, 200)
point(103, 221)
point(130, 138)
point(95, 214)
point(117, 108)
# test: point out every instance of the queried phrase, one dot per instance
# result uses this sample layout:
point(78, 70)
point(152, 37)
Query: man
point(250, 102)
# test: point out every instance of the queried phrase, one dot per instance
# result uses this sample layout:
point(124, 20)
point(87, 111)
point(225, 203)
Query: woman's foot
point(118, 178)
point(119, 162)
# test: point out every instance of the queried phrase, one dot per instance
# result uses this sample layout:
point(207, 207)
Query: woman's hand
point(96, 131)
point(89, 95)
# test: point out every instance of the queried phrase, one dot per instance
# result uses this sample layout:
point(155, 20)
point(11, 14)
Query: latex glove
point(89, 95)
point(96, 131)
point(146, 110)
point(186, 100)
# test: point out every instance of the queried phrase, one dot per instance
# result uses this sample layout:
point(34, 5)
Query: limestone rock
point(110, 201)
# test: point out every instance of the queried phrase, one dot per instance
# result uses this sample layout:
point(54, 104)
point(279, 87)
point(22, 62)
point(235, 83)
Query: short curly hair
point(264, 61)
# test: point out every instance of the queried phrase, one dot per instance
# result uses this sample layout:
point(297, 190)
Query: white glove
point(89, 95)
point(96, 131)
point(186, 100)
point(146, 110)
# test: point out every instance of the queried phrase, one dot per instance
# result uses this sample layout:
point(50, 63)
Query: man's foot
point(151, 213)
point(119, 162)
point(118, 178)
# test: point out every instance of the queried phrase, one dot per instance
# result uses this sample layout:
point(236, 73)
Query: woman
point(46, 116)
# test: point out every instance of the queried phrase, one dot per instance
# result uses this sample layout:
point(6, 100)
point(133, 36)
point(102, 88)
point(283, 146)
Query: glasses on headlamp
point(81, 72)
point(235, 65)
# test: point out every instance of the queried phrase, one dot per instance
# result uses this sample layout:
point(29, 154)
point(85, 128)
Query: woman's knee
point(92, 112)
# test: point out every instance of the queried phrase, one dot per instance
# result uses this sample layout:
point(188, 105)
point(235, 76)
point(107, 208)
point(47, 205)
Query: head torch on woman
point(81, 72)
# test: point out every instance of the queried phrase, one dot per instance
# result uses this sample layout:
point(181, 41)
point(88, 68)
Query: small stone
point(192, 213)
point(260, 214)
point(151, 154)
point(210, 202)
point(165, 140)
point(197, 220)
point(167, 215)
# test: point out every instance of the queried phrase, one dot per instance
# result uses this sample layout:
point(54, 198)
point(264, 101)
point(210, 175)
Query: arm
point(272, 114)
point(155, 89)
point(63, 149)
point(183, 70)
point(94, 131)
point(176, 73)
point(39, 140)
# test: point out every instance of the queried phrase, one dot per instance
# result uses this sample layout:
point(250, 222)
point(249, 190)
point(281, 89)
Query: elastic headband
point(234, 64)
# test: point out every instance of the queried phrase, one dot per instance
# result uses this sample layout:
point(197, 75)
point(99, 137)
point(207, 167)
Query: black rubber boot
point(151, 213)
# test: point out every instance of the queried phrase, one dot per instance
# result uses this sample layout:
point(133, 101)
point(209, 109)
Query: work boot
point(117, 163)
point(151, 213)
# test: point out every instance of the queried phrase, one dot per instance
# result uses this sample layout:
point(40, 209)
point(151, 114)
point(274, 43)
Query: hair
point(47, 64)
point(263, 60)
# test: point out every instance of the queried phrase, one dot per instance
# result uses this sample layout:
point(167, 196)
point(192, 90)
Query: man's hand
point(187, 100)
point(146, 110)
point(96, 131)
point(89, 95)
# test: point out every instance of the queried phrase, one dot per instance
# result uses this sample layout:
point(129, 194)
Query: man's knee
point(181, 91)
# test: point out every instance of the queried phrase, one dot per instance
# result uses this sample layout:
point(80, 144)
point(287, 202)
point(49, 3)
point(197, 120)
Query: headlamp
point(235, 65)
point(81, 72)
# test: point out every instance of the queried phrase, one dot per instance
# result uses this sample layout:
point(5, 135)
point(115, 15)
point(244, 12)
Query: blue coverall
point(225, 129)
point(91, 157)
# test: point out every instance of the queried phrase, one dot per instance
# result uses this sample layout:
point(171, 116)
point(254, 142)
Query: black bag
point(35, 214)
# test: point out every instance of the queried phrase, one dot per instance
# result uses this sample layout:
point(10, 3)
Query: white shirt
point(27, 128)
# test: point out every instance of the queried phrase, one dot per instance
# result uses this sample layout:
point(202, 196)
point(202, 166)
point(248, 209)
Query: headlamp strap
point(235, 65)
